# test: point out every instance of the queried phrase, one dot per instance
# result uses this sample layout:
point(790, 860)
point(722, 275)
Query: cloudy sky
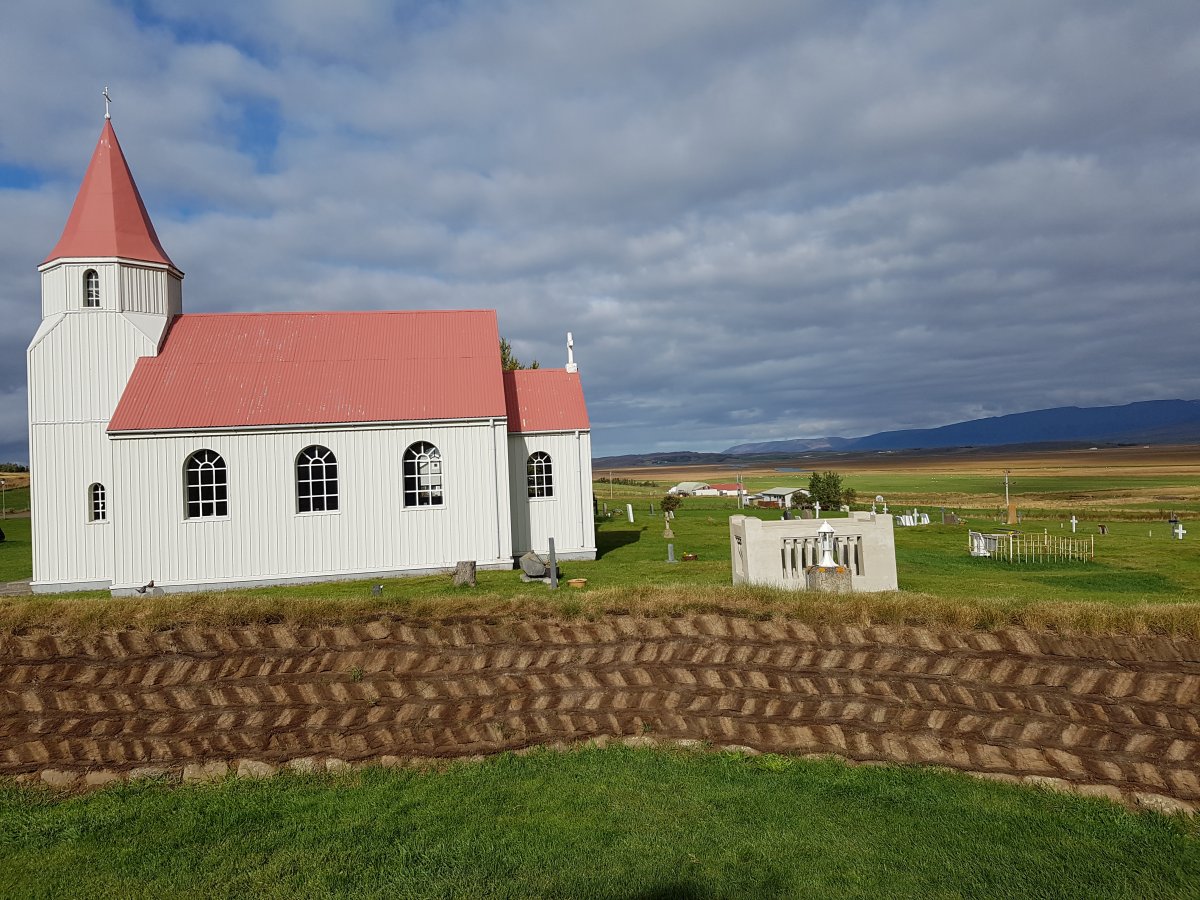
point(760, 219)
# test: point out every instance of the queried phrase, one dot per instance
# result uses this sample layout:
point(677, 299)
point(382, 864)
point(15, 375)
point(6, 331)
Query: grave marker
point(1074, 522)
point(1180, 531)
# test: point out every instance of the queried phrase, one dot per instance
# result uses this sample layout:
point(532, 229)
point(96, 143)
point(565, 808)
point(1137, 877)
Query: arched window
point(97, 506)
point(207, 482)
point(422, 475)
point(91, 288)
point(540, 475)
point(316, 480)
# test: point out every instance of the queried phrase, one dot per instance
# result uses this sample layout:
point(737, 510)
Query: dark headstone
point(1, 535)
point(553, 567)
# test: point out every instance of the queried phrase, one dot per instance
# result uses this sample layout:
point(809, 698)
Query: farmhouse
point(721, 490)
point(780, 496)
point(213, 451)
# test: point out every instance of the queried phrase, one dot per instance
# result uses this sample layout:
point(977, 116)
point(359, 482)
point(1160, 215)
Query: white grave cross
point(1180, 531)
point(817, 508)
point(1074, 522)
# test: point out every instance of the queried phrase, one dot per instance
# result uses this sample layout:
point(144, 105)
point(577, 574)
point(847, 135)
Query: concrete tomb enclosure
point(779, 553)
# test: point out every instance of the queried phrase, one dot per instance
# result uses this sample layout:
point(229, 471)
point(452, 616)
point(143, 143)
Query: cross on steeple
point(107, 100)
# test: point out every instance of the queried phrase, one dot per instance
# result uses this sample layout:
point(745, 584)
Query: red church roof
point(109, 218)
point(544, 400)
point(238, 370)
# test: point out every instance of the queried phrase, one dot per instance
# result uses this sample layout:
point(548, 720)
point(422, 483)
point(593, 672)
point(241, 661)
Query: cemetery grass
point(613, 822)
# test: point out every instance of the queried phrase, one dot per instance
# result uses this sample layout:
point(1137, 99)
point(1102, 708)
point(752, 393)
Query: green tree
point(825, 488)
point(510, 363)
point(671, 502)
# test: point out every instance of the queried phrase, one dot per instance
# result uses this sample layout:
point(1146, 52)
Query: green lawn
point(16, 550)
point(15, 499)
point(1137, 562)
point(594, 823)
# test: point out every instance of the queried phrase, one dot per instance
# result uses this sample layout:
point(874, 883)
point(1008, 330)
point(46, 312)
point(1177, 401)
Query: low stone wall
point(1115, 716)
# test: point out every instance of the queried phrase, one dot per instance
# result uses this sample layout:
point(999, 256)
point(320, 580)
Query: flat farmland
point(1125, 482)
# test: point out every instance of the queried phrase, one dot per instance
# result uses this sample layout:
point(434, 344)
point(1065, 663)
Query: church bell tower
point(109, 294)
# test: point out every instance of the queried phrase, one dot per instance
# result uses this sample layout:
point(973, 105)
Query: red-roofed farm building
point(215, 451)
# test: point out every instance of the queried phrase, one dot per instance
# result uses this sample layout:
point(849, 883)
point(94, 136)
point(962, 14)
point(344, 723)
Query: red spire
point(109, 218)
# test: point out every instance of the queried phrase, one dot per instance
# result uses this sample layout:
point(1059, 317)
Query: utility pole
point(610, 484)
point(1006, 488)
point(3, 500)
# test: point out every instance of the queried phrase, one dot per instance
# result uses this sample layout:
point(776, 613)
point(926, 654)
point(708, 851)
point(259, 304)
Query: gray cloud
point(761, 220)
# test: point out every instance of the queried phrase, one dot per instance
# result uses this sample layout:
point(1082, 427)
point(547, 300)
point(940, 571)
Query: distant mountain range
point(1147, 422)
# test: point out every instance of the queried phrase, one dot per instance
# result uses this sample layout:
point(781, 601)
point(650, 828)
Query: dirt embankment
point(1109, 715)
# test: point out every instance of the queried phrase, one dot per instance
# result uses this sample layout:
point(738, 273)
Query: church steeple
point(109, 218)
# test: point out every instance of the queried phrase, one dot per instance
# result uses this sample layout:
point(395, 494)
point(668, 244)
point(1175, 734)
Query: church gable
point(277, 369)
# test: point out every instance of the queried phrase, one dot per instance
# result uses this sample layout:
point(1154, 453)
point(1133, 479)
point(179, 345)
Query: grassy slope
point(611, 823)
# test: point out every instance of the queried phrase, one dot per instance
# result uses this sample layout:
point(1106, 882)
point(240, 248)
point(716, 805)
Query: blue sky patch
point(19, 178)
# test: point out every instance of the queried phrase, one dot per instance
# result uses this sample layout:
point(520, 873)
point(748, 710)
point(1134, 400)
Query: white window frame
point(313, 466)
point(218, 500)
point(97, 503)
point(539, 475)
point(91, 289)
point(424, 476)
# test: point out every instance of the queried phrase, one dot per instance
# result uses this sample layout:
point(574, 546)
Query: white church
point(210, 451)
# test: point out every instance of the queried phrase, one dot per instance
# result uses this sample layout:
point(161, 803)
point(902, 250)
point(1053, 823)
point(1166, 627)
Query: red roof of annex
point(544, 400)
point(109, 218)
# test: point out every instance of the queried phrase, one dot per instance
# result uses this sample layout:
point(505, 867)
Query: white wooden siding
point(265, 539)
point(78, 370)
point(67, 548)
point(124, 287)
point(567, 516)
point(148, 290)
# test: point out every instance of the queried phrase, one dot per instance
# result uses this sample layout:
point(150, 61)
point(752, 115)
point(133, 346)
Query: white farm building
point(214, 451)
